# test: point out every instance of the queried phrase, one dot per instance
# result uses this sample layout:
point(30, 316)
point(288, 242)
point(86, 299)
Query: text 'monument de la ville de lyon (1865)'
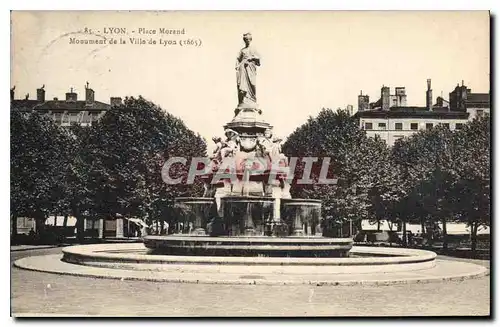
point(161, 36)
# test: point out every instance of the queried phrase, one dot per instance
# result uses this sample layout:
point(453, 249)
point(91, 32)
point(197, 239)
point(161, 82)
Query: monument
point(253, 199)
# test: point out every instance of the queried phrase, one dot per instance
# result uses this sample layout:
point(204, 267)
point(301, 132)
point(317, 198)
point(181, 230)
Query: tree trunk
point(65, 221)
point(40, 223)
point(405, 240)
point(80, 229)
point(422, 223)
point(13, 237)
point(473, 237)
point(378, 225)
point(390, 224)
point(445, 234)
point(55, 220)
point(161, 227)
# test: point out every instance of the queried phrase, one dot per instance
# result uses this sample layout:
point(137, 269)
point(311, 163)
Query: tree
point(129, 145)
point(79, 200)
point(38, 151)
point(446, 175)
point(472, 189)
point(359, 163)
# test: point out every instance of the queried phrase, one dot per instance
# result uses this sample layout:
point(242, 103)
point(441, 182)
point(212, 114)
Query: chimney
point(350, 109)
point(12, 92)
point(428, 95)
point(40, 94)
point(89, 94)
point(115, 101)
point(71, 96)
point(386, 97)
point(363, 102)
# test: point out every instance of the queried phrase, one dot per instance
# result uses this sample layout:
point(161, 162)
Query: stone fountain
point(247, 198)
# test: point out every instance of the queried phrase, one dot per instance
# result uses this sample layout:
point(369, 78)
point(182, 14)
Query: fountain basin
point(370, 266)
point(315, 247)
point(136, 257)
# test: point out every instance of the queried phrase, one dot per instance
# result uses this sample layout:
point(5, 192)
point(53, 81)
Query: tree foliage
point(111, 168)
point(360, 165)
point(434, 176)
point(39, 153)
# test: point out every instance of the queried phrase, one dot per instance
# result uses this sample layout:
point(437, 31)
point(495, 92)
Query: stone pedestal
point(246, 216)
point(119, 228)
point(303, 216)
point(194, 214)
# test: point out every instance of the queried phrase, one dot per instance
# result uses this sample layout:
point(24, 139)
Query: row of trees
point(435, 175)
point(111, 168)
point(114, 168)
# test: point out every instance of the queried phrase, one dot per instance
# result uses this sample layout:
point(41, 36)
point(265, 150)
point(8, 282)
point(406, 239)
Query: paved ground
point(42, 293)
point(14, 248)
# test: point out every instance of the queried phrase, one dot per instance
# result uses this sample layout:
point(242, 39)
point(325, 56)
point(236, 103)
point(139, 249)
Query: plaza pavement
point(35, 293)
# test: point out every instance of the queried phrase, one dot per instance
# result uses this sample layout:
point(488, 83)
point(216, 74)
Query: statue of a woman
point(246, 71)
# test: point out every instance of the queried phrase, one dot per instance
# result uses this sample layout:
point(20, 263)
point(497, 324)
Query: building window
point(429, 125)
point(447, 125)
point(459, 126)
point(58, 117)
point(89, 224)
point(85, 119)
point(399, 126)
point(368, 126)
point(73, 117)
point(94, 116)
point(414, 126)
point(382, 126)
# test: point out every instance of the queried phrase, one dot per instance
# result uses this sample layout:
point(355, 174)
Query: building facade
point(67, 111)
point(391, 121)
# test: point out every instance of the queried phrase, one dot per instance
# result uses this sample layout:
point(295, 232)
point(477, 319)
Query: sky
point(309, 60)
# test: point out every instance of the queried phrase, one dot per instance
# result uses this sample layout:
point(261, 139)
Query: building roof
point(412, 112)
point(72, 105)
point(478, 100)
point(23, 105)
point(55, 105)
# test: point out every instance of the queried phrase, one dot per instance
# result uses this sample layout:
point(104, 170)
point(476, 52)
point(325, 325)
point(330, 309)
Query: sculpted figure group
point(226, 148)
point(267, 146)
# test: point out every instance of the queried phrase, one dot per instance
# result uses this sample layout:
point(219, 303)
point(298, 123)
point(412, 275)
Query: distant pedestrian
point(144, 230)
point(410, 238)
